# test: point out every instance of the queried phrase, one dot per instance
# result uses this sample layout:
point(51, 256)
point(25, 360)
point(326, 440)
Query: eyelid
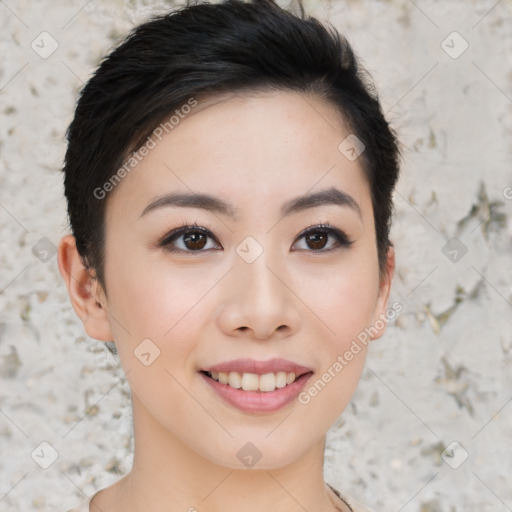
point(341, 238)
point(175, 233)
point(323, 226)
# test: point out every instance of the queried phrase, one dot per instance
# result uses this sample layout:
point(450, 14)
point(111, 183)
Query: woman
point(229, 178)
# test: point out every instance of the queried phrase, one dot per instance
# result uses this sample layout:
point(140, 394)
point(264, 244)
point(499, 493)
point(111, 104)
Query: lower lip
point(258, 401)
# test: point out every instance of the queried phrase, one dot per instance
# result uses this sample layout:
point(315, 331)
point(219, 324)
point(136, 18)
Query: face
point(257, 277)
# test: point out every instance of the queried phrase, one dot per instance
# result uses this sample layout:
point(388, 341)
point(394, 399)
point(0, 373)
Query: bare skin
point(255, 152)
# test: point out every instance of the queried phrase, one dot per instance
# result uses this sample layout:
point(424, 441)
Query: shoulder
point(355, 505)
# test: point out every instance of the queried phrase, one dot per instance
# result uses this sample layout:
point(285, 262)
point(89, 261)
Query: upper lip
point(259, 367)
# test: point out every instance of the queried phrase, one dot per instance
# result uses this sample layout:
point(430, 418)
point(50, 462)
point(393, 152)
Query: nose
point(259, 301)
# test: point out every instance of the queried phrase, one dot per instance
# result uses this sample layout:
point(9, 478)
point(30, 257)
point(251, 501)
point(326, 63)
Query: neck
point(168, 476)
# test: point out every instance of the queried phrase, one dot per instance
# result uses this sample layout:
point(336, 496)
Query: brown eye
point(317, 238)
point(192, 238)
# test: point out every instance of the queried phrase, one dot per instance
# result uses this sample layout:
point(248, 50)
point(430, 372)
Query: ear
point(379, 319)
point(85, 293)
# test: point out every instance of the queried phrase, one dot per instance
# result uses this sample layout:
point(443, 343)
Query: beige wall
point(442, 372)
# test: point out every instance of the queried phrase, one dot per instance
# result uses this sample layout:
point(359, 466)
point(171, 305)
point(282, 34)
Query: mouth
point(264, 383)
point(256, 386)
point(257, 393)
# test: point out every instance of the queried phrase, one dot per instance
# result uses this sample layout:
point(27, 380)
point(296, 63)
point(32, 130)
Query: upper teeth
point(254, 382)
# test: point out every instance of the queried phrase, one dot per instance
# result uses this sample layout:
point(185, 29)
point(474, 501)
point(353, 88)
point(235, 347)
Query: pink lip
point(258, 401)
point(259, 367)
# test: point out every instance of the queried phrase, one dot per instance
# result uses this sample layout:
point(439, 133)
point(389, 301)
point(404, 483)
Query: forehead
point(248, 149)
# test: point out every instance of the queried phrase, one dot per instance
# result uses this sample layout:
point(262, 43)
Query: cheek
point(348, 313)
point(342, 298)
point(352, 306)
point(168, 307)
point(153, 301)
point(159, 307)
point(345, 308)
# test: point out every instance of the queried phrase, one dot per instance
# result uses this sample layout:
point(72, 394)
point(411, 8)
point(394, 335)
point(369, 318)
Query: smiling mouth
point(255, 382)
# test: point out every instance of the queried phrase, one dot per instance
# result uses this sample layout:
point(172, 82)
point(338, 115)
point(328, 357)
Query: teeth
point(235, 380)
point(254, 382)
point(250, 382)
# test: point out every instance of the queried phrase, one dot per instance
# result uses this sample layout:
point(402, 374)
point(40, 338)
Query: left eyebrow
point(323, 197)
point(216, 205)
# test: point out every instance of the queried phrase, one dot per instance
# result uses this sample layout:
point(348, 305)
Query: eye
point(193, 238)
point(317, 236)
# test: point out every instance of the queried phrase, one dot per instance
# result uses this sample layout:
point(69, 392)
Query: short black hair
point(213, 49)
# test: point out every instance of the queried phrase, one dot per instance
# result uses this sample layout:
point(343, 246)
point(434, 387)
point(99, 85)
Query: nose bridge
point(258, 283)
point(261, 301)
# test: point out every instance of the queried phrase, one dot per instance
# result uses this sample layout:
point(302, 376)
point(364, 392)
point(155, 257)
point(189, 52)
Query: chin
point(256, 455)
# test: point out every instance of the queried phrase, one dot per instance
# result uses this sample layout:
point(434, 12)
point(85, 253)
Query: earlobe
point(379, 320)
point(84, 291)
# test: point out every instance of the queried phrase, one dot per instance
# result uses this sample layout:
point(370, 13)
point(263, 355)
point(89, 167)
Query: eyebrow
point(216, 205)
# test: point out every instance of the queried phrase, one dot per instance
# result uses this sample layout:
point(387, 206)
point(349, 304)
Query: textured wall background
point(442, 372)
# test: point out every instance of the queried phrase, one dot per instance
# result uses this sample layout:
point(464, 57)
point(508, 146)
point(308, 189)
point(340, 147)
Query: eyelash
point(340, 237)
